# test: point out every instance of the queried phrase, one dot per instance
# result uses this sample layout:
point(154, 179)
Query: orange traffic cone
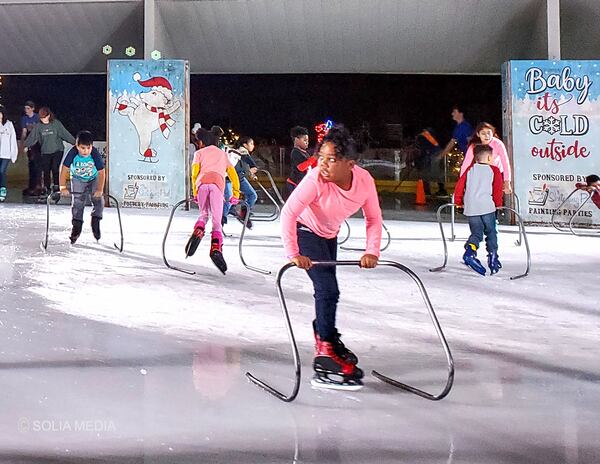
point(420, 200)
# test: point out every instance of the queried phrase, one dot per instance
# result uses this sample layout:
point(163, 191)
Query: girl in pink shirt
point(311, 220)
point(209, 168)
point(485, 134)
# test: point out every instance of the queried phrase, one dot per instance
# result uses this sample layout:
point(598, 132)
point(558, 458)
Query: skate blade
point(316, 383)
point(482, 273)
point(219, 262)
point(191, 247)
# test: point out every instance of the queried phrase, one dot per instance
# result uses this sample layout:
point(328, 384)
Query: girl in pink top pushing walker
point(485, 134)
point(311, 220)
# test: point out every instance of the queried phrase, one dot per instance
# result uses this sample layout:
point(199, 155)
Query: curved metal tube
point(524, 235)
point(519, 241)
point(552, 221)
point(241, 242)
point(44, 243)
point(340, 242)
point(278, 203)
point(164, 257)
point(575, 215)
point(297, 368)
point(120, 223)
point(389, 240)
point(521, 232)
point(274, 186)
point(383, 378)
point(275, 214)
point(439, 218)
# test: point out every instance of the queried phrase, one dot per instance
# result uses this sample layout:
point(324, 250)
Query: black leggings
point(50, 164)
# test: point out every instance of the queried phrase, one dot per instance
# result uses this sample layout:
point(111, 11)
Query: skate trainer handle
point(383, 378)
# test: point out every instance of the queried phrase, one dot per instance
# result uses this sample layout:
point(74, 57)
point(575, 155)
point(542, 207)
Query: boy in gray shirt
point(479, 189)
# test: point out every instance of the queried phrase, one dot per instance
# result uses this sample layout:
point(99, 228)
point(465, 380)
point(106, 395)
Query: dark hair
point(217, 131)
point(481, 148)
point(459, 108)
point(3, 111)
point(344, 144)
point(206, 137)
point(45, 111)
point(591, 179)
point(84, 138)
point(30, 104)
point(482, 125)
point(244, 139)
point(298, 131)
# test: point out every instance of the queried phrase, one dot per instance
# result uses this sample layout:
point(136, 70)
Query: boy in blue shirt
point(86, 166)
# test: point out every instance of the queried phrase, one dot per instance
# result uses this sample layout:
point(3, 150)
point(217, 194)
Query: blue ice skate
point(493, 262)
point(470, 259)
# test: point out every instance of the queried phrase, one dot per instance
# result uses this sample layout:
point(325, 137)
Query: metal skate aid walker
point(377, 375)
point(51, 197)
point(347, 237)
point(259, 218)
point(452, 237)
point(522, 236)
point(572, 218)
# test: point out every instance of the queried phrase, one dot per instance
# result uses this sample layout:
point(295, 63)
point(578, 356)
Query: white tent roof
point(292, 36)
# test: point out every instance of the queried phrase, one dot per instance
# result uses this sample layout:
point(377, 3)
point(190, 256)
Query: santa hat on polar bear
point(158, 83)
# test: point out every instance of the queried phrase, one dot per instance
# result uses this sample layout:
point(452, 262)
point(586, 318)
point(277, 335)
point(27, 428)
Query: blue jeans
point(250, 196)
point(484, 224)
point(4, 162)
point(323, 278)
point(227, 193)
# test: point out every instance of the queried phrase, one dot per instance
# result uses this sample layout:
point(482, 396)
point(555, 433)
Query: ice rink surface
point(110, 357)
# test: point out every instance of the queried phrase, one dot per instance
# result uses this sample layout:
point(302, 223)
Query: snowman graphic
point(150, 112)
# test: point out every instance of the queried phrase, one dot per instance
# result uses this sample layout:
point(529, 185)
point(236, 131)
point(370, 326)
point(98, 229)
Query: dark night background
point(267, 106)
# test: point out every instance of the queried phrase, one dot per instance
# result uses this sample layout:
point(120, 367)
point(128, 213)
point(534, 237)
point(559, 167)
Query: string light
point(455, 158)
point(322, 129)
point(230, 137)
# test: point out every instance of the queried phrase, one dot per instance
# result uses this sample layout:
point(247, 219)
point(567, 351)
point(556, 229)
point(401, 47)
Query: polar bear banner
point(151, 112)
point(148, 132)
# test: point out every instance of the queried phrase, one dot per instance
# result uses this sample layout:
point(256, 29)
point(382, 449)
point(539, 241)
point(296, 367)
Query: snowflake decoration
point(107, 49)
point(156, 55)
point(130, 51)
point(551, 125)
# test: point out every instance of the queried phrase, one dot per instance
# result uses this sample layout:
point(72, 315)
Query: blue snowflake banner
point(148, 128)
point(552, 116)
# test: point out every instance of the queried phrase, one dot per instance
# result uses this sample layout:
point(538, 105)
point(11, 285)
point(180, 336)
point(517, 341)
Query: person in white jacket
point(8, 149)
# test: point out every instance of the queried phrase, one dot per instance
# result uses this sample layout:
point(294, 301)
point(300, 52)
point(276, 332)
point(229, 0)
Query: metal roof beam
point(553, 21)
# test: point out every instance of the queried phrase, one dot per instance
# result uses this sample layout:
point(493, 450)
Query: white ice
point(527, 385)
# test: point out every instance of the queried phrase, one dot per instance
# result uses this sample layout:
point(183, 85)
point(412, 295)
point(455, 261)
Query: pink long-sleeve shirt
point(499, 159)
point(213, 166)
point(323, 207)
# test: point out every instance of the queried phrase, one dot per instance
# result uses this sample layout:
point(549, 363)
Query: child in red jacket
point(479, 189)
point(592, 185)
